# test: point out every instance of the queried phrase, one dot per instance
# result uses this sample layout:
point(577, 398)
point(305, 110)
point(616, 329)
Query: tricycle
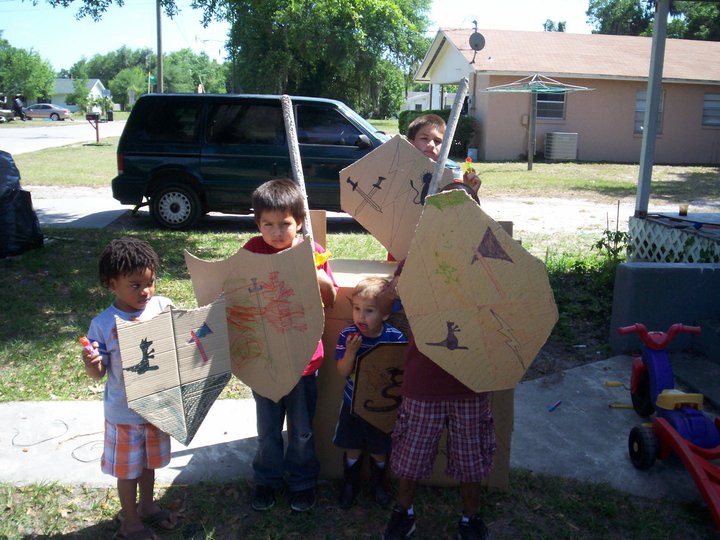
point(679, 424)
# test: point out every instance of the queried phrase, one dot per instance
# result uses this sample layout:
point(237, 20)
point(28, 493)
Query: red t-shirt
point(257, 245)
point(424, 380)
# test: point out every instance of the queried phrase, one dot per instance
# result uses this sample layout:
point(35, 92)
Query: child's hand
point(472, 179)
point(353, 342)
point(91, 358)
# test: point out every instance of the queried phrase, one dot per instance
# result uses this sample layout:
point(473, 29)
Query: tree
point(329, 48)
point(95, 9)
point(688, 20)
point(620, 17)
point(184, 70)
point(388, 94)
point(106, 66)
point(695, 20)
point(80, 95)
point(128, 85)
point(24, 72)
point(550, 26)
point(326, 48)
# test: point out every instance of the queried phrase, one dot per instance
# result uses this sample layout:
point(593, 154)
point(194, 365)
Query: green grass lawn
point(389, 126)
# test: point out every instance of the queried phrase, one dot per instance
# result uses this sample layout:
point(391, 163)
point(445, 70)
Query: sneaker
point(302, 501)
point(401, 525)
point(263, 498)
point(474, 529)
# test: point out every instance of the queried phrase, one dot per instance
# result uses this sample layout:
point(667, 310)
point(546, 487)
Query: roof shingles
point(586, 55)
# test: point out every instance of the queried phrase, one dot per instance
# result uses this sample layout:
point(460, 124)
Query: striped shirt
point(389, 334)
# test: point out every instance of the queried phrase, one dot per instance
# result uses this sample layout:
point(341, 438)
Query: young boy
point(133, 448)
point(279, 214)
point(432, 401)
point(371, 306)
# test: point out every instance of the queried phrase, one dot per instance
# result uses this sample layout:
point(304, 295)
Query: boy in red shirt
point(279, 214)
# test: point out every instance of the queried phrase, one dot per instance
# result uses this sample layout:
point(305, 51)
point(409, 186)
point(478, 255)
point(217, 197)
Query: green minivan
point(184, 155)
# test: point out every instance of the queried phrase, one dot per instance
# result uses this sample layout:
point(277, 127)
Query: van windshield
point(364, 123)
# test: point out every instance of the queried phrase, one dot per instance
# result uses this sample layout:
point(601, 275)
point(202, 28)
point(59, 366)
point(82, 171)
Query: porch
point(672, 238)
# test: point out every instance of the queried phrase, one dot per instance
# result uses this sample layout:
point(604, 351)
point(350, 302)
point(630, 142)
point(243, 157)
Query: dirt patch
point(555, 357)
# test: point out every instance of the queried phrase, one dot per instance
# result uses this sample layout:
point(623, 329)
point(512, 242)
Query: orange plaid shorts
point(130, 448)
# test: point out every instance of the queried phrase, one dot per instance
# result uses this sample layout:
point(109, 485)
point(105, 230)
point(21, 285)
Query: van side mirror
point(363, 141)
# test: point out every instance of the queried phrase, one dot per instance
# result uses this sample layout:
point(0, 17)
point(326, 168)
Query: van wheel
point(175, 207)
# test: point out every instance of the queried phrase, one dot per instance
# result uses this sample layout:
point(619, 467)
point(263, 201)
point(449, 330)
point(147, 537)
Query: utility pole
point(159, 49)
point(652, 108)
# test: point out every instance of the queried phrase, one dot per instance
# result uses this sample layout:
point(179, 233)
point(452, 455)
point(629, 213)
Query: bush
point(463, 132)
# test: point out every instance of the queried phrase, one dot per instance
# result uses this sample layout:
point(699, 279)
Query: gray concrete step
point(699, 373)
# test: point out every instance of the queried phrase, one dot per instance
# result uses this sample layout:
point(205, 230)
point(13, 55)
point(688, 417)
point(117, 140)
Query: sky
point(61, 39)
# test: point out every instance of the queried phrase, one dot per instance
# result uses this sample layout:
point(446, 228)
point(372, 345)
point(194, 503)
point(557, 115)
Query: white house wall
point(449, 66)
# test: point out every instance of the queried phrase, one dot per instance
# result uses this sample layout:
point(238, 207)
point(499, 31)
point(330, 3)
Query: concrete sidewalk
point(583, 438)
point(85, 208)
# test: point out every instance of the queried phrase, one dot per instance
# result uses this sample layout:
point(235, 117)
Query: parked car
point(188, 154)
point(46, 110)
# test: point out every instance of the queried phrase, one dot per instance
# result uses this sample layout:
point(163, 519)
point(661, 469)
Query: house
point(63, 87)
point(434, 99)
point(604, 124)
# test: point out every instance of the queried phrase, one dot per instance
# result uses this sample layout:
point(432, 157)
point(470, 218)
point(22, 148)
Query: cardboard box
point(330, 385)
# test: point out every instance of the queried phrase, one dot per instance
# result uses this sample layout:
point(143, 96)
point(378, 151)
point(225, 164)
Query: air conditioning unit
point(561, 146)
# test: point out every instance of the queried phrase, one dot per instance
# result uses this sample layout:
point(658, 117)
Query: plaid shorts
point(470, 442)
point(130, 448)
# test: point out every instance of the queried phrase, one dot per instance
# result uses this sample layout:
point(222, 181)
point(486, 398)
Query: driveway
point(91, 208)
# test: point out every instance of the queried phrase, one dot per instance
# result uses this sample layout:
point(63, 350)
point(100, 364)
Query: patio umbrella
point(535, 84)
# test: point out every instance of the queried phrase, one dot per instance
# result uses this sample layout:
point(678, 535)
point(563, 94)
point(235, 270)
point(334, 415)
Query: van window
point(170, 121)
point(318, 125)
point(238, 123)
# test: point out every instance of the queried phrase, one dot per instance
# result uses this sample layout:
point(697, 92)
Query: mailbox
point(92, 117)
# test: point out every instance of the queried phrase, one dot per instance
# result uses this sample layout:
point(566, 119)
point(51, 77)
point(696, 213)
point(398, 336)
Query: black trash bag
point(19, 225)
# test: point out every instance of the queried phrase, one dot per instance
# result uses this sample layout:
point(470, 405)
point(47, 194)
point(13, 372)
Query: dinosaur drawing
point(147, 353)
point(451, 341)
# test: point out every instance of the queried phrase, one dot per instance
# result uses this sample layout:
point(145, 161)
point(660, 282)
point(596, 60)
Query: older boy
point(434, 400)
point(279, 214)
point(426, 134)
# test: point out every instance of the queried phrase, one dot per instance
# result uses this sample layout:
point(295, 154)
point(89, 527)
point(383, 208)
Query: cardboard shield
point(274, 313)
point(479, 305)
point(385, 191)
point(175, 365)
point(378, 377)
